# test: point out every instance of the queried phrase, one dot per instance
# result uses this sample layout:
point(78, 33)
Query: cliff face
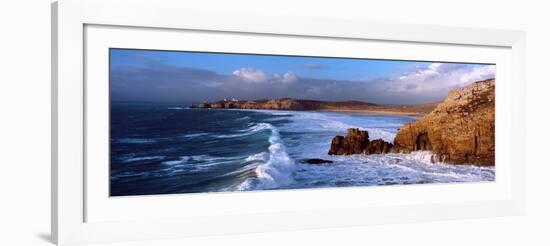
point(461, 129)
point(284, 104)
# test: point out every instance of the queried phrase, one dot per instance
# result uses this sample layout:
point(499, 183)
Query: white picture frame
point(80, 217)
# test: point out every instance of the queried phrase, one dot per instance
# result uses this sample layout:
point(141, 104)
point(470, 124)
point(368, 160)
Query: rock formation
point(315, 161)
point(378, 146)
point(357, 142)
point(459, 130)
point(354, 142)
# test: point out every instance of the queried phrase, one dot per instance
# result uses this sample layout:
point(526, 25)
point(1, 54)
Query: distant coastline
point(355, 107)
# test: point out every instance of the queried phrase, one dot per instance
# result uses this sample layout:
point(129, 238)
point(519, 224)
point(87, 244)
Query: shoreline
point(373, 112)
point(349, 106)
point(349, 111)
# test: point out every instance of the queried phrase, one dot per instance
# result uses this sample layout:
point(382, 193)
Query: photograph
point(198, 122)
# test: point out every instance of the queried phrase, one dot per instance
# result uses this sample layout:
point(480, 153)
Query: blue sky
point(143, 75)
point(320, 68)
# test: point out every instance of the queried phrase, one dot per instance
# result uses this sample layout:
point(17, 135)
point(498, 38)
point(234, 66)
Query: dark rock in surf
point(357, 142)
point(336, 146)
point(378, 146)
point(315, 161)
point(353, 143)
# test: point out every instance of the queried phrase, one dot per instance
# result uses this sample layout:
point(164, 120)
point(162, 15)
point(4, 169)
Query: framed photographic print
point(168, 125)
point(192, 122)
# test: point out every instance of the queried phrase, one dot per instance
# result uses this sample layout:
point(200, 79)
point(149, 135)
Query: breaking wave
point(255, 128)
point(277, 166)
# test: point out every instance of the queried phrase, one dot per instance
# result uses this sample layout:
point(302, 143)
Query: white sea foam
point(413, 168)
point(263, 156)
point(379, 126)
point(176, 108)
point(144, 158)
point(253, 162)
point(135, 141)
point(255, 128)
point(199, 158)
point(128, 174)
point(320, 127)
point(181, 160)
point(196, 163)
point(384, 127)
point(194, 135)
point(308, 135)
point(277, 169)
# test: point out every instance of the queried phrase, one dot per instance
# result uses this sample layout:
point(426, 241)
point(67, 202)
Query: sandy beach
point(403, 110)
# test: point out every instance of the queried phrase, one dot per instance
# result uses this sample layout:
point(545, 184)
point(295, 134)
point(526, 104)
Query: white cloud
point(257, 75)
point(438, 77)
point(251, 74)
point(289, 77)
point(479, 73)
point(427, 83)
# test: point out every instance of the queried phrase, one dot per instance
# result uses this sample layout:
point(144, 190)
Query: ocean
point(170, 149)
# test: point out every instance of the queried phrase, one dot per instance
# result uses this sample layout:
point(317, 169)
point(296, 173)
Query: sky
point(178, 76)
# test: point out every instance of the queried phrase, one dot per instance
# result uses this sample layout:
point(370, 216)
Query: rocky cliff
point(461, 129)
